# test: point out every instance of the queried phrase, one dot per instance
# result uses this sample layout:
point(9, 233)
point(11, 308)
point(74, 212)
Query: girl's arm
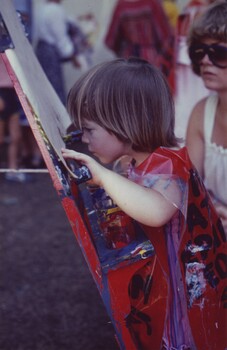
point(195, 137)
point(145, 205)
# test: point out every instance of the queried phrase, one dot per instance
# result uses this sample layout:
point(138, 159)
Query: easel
point(111, 269)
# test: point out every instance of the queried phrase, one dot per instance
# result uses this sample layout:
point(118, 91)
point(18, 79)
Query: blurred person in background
point(9, 122)
point(140, 28)
point(189, 87)
point(54, 44)
point(30, 155)
point(207, 129)
point(172, 11)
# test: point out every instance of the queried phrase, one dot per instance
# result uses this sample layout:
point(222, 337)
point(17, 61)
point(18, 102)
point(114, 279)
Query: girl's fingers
point(70, 154)
point(67, 153)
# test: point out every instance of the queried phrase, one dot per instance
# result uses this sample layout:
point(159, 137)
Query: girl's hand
point(95, 168)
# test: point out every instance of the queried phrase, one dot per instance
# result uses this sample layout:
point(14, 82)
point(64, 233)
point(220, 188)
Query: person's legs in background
point(15, 138)
point(31, 156)
point(9, 122)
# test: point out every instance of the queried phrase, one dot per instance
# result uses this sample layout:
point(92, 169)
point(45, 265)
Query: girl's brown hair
point(129, 98)
point(211, 24)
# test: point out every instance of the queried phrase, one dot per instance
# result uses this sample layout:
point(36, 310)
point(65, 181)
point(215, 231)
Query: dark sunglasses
point(217, 54)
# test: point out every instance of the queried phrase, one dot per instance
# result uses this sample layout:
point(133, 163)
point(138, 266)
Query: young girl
point(207, 128)
point(124, 108)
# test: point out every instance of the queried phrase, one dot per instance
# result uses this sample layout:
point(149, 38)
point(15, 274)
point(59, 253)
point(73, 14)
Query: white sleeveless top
point(215, 164)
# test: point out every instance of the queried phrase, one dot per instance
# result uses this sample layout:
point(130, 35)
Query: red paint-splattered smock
point(179, 298)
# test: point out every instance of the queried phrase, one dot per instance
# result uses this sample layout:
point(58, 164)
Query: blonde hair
point(129, 98)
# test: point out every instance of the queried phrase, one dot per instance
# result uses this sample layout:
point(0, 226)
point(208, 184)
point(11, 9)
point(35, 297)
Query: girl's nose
point(84, 138)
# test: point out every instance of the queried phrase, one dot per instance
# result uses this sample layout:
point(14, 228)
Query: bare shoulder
point(196, 119)
point(195, 135)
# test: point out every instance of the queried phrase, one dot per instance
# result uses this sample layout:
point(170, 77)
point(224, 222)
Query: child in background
point(125, 108)
point(207, 128)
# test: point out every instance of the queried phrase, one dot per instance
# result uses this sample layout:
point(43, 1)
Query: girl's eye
point(86, 129)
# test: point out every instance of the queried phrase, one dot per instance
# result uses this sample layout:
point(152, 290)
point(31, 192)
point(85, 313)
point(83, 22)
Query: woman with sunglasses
point(207, 128)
